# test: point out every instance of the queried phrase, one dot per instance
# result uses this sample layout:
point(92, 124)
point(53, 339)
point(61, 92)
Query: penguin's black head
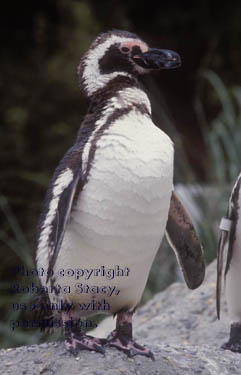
point(121, 53)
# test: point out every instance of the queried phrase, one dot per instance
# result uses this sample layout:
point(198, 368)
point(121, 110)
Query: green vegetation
point(223, 136)
point(223, 141)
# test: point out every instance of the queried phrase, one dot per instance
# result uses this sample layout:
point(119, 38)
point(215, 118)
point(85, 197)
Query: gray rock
point(179, 316)
point(178, 325)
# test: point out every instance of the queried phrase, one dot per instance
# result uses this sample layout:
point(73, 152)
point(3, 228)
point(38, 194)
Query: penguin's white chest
point(121, 213)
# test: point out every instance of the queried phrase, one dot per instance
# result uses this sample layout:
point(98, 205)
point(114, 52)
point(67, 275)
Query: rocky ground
point(178, 325)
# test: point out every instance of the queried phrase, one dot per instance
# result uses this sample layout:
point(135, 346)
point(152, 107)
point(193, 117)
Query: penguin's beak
point(157, 59)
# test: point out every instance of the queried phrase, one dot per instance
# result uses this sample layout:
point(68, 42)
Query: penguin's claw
point(234, 343)
point(130, 348)
point(75, 343)
point(233, 346)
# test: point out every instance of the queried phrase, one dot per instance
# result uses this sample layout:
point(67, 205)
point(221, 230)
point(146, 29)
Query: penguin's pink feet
point(121, 337)
point(77, 341)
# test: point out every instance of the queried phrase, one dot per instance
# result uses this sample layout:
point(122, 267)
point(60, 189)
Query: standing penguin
point(107, 204)
point(231, 227)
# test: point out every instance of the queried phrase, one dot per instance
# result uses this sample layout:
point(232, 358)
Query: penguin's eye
point(125, 49)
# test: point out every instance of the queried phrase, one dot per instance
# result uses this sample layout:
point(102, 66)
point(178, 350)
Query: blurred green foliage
point(223, 141)
point(224, 137)
point(42, 108)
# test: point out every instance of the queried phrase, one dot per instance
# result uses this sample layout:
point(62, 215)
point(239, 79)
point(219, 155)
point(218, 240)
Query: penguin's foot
point(74, 343)
point(128, 346)
point(233, 346)
point(234, 343)
point(76, 340)
point(121, 337)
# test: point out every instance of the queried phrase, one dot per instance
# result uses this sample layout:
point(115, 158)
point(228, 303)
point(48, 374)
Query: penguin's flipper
point(221, 245)
point(183, 239)
point(57, 206)
point(228, 229)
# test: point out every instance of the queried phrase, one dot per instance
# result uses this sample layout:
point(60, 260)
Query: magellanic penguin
point(107, 204)
point(231, 230)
